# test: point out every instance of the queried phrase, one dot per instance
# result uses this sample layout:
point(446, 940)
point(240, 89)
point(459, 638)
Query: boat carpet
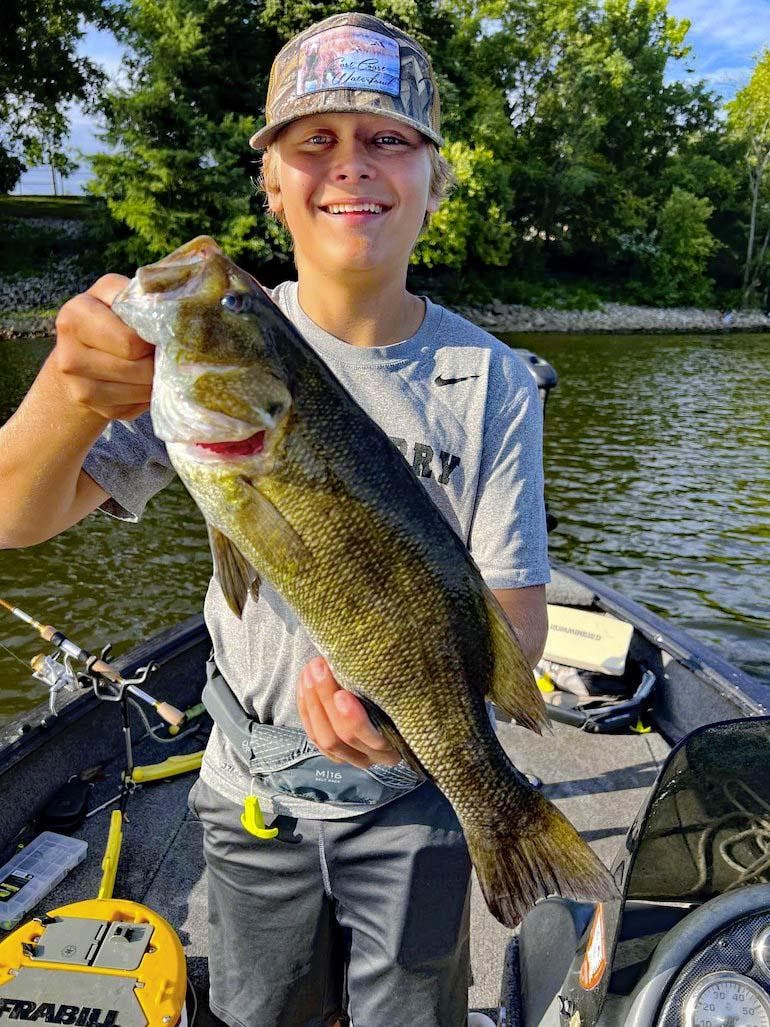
point(599, 781)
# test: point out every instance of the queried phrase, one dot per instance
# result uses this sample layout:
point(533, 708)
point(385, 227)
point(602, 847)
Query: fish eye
point(237, 302)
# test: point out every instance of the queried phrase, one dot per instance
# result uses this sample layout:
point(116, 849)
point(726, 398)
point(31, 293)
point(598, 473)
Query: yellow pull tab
point(171, 766)
point(545, 684)
point(640, 728)
point(253, 821)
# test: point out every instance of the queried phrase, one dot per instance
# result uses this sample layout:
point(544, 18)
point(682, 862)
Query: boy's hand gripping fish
point(267, 441)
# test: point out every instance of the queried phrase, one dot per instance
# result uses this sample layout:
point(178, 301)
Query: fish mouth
point(251, 446)
point(178, 274)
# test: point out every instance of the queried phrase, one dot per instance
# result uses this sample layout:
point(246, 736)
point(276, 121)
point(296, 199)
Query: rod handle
point(169, 713)
point(106, 671)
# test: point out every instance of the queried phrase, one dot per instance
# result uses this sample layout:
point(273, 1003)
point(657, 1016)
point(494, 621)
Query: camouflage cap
point(351, 62)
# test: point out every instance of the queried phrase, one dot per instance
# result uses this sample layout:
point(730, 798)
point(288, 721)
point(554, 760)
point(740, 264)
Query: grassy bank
point(45, 238)
point(75, 207)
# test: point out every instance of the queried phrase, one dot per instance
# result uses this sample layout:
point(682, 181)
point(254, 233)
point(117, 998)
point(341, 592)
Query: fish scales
point(268, 443)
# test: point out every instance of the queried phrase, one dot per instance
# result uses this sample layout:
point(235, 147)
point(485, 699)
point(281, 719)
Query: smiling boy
point(360, 905)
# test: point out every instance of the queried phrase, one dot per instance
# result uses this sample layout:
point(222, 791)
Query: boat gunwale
point(24, 734)
point(738, 687)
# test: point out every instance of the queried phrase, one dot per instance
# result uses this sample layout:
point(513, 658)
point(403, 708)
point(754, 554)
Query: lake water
point(657, 466)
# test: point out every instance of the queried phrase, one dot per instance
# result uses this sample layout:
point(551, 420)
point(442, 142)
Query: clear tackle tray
point(34, 871)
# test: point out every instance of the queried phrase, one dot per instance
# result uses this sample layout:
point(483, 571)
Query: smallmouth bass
point(266, 440)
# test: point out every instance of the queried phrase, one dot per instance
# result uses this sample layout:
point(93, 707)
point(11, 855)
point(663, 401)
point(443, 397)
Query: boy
point(368, 895)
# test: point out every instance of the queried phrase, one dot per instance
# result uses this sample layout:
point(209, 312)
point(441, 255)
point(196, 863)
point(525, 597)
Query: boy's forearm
point(532, 647)
point(527, 614)
point(42, 449)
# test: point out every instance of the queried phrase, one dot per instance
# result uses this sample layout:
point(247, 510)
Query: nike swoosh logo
point(453, 381)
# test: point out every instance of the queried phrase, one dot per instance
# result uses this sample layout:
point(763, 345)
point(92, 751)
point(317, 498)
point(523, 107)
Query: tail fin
point(515, 870)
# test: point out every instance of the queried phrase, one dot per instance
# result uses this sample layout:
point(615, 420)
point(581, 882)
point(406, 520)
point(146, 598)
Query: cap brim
point(265, 136)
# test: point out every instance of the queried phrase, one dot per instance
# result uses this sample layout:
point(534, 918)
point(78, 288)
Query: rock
point(615, 318)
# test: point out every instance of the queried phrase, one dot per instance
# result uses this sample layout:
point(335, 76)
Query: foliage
point(478, 286)
point(579, 158)
point(598, 124)
point(683, 245)
point(180, 128)
point(40, 73)
point(471, 224)
point(749, 122)
point(180, 165)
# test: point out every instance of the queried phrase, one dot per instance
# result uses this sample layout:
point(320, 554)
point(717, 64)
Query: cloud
point(726, 38)
point(730, 75)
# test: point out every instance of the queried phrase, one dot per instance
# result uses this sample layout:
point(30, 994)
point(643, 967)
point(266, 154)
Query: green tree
point(749, 121)
point(596, 126)
point(683, 245)
point(710, 165)
point(196, 73)
point(567, 137)
point(40, 73)
point(471, 225)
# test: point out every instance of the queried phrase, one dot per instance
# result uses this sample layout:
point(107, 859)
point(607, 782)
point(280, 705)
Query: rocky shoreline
point(613, 318)
point(27, 310)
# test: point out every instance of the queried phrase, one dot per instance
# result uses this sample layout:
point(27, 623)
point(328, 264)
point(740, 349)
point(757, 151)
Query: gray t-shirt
point(464, 411)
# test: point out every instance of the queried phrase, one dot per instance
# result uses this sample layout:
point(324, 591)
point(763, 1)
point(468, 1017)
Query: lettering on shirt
point(424, 459)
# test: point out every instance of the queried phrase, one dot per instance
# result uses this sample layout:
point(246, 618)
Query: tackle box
point(33, 871)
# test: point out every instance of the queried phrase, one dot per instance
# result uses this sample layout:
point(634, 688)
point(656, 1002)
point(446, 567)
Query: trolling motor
point(544, 373)
point(546, 379)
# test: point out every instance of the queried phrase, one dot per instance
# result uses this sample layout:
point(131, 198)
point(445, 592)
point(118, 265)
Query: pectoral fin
point(236, 577)
point(274, 531)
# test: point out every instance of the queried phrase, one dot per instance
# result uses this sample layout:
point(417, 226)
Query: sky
point(727, 36)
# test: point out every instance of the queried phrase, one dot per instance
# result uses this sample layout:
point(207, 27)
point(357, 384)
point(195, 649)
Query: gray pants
point(369, 913)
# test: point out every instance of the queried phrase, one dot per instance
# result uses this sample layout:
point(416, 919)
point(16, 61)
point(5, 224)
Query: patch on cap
point(349, 57)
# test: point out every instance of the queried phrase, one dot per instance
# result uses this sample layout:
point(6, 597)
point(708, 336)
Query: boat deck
point(599, 781)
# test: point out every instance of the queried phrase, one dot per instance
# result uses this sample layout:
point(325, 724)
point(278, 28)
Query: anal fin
point(390, 732)
point(513, 687)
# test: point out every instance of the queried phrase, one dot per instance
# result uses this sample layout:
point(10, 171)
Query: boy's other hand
point(103, 364)
point(337, 722)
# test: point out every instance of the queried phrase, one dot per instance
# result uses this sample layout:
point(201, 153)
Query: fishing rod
point(96, 668)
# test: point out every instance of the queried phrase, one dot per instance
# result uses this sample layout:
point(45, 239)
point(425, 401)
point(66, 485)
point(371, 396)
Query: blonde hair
point(442, 178)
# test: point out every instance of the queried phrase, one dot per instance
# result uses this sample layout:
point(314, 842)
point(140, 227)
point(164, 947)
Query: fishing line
point(24, 664)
